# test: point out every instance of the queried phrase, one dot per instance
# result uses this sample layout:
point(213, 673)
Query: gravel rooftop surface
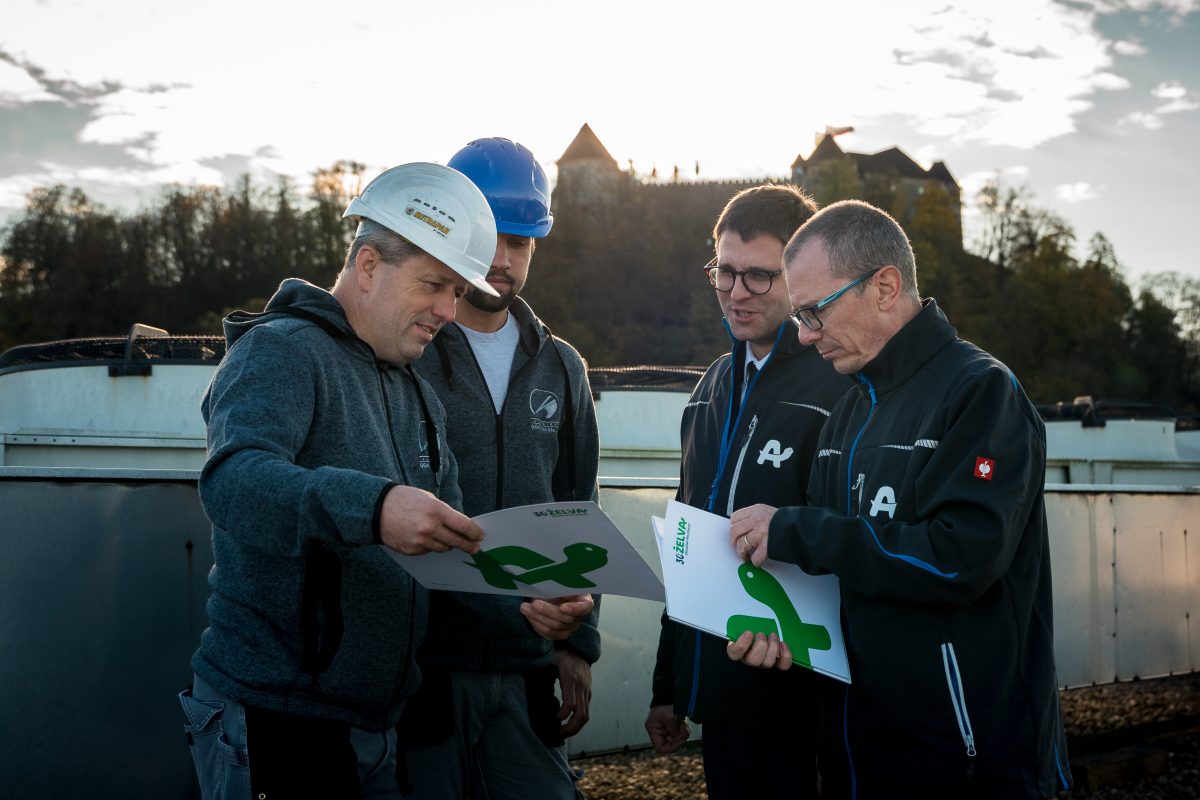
point(1087, 712)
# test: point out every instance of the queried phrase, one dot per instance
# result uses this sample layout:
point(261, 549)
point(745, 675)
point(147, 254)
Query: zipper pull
point(859, 485)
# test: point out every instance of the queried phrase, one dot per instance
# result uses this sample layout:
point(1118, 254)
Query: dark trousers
point(758, 763)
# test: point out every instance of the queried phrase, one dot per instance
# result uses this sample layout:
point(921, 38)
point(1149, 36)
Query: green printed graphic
point(800, 636)
point(582, 558)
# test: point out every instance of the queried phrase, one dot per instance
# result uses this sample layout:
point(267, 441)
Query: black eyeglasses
point(807, 317)
point(756, 281)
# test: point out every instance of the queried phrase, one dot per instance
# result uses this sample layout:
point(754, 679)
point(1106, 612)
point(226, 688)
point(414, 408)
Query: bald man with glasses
point(748, 435)
point(926, 500)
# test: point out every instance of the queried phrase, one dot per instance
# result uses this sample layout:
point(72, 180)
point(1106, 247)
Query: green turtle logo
point(800, 636)
point(582, 558)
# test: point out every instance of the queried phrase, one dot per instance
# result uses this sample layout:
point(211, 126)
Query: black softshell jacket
point(768, 447)
point(927, 501)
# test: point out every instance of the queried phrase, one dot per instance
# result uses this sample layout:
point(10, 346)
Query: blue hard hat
point(513, 182)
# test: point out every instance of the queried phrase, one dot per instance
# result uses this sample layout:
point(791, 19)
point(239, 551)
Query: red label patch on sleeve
point(984, 467)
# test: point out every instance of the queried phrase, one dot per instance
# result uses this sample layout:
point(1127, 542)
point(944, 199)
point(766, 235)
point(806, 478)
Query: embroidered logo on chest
point(423, 444)
point(544, 406)
point(885, 502)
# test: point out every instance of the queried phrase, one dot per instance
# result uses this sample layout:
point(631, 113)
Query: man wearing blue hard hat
point(486, 722)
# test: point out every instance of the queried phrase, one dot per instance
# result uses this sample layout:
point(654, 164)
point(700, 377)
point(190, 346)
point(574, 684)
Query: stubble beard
point(485, 302)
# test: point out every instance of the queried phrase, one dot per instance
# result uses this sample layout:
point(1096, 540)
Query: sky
point(1092, 106)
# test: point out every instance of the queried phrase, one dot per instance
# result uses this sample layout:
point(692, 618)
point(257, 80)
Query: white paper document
point(710, 588)
point(541, 550)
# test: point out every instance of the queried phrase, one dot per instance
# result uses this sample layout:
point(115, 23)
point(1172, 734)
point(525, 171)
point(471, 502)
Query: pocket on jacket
point(958, 698)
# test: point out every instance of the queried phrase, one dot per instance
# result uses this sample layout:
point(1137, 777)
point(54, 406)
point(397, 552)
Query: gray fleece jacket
point(543, 446)
point(306, 432)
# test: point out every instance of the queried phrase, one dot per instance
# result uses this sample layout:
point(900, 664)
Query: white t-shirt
point(494, 352)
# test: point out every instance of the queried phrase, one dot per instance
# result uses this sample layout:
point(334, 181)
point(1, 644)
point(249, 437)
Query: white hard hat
point(440, 211)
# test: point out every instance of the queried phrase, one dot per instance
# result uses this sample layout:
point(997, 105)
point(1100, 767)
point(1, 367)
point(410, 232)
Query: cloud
point(1018, 75)
point(1175, 10)
point(1129, 47)
point(1177, 96)
point(18, 87)
point(1147, 120)
point(1182, 104)
point(1172, 90)
point(275, 92)
point(972, 182)
point(1075, 192)
point(1178, 99)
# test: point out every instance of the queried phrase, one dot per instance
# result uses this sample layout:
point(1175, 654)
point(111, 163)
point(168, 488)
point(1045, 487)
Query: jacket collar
point(533, 331)
point(906, 352)
point(786, 345)
point(299, 298)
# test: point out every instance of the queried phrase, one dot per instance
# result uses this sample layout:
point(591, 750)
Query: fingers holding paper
point(748, 530)
point(558, 617)
point(760, 650)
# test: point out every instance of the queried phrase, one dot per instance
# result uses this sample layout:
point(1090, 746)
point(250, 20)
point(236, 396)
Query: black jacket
point(927, 502)
point(735, 456)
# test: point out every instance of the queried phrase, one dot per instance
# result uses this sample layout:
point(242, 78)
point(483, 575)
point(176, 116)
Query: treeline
point(620, 278)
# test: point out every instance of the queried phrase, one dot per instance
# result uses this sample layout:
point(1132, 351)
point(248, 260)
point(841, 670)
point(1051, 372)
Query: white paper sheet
point(541, 550)
point(710, 588)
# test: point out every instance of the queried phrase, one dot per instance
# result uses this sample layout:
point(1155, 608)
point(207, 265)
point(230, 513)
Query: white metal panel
point(640, 420)
point(1153, 597)
point(1081, 562)
point(1127, 440)
point(85, 400)
point(111, 452)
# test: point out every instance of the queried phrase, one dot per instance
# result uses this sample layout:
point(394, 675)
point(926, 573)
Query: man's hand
point(413, 522)
point(748, 529)
point(757, 650)
point(667, 730)
point(558, 617)
point(575, 683)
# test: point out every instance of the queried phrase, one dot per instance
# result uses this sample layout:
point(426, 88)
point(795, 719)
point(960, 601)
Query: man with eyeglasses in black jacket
point(926, 500)
point(749, 432)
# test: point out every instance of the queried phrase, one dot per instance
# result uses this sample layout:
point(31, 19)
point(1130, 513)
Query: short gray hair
point(858, 238)
point(391, 246)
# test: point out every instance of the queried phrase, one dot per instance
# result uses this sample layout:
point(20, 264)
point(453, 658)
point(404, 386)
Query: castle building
point(588, 175)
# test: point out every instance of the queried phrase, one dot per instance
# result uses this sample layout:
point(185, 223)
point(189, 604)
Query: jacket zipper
point(412, 590)
point(858, 437)
point(958, 697)
point(737, 468)
point(849, 497)
point(858, 484)
point(387, 414)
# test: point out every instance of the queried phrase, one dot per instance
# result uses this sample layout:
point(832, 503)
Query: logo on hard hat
point(417, 214)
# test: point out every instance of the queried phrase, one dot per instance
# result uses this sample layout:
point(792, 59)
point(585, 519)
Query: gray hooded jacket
point(306, 433)
point(543, 446)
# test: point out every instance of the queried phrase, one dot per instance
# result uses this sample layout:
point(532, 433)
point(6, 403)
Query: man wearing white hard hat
point(322, 445)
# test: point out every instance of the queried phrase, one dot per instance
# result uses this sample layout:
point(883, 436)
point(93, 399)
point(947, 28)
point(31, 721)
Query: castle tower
point(587, 172)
